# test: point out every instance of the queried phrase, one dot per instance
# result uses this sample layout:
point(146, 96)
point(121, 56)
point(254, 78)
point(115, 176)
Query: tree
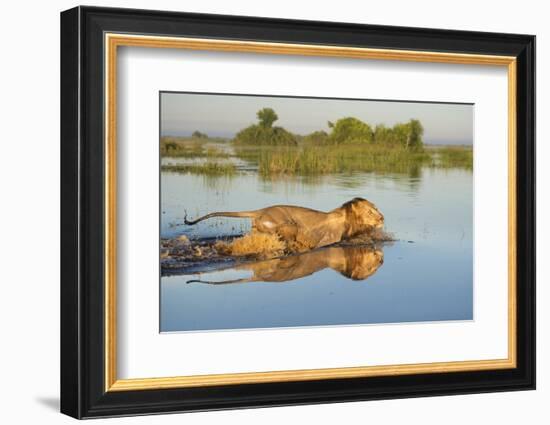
point(382, 134)
point(414, 136)
point(198, 135)
point(267, 117)
point(399, 135)
point(351, 130)
point(264, 133)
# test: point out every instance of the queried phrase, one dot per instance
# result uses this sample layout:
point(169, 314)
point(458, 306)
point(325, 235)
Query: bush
point(350, 130)
point(317, 138)
point(271, 136)
point(198, 135)
point(407, 135)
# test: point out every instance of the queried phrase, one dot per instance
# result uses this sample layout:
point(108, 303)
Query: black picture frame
point(83, 392)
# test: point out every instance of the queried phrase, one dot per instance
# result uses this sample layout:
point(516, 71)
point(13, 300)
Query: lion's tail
point(238, 214)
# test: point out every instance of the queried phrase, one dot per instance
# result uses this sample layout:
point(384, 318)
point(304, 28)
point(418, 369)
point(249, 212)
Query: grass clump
point(308, 160)
point(455, 157)
point(267, 245)
point(260, 245)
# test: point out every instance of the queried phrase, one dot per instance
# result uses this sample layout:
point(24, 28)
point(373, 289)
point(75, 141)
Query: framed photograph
point(261, 212)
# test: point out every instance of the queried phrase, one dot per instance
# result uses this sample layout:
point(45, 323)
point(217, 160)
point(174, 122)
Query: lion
point(305, 229)
point(356, 263)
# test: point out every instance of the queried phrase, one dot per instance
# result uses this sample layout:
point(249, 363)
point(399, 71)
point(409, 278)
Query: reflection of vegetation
point(210, 168)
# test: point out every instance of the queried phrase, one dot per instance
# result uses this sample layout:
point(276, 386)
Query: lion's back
point(299, 215)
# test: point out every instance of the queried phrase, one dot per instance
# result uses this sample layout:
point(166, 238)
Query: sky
point(224, 115)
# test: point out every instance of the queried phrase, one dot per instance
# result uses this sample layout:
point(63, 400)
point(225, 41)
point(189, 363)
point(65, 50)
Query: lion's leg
point(304, 242)
point(296, 240)
point(287, 231)
point(264, 224)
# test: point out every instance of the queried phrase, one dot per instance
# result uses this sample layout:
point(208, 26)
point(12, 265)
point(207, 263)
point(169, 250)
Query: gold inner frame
point(113, 41)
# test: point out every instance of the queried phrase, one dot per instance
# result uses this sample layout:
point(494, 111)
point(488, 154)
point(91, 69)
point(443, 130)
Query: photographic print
point(278, 235)
point(284, 212)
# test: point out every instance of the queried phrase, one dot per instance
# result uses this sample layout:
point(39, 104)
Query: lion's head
point(362, 216)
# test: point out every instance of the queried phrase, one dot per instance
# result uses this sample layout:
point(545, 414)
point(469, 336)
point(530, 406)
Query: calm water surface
point(425, 276)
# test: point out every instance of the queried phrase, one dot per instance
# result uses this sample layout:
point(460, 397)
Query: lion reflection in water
point(353, 262)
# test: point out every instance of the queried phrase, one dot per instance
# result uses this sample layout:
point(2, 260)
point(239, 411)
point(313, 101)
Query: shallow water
point(426, 275)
